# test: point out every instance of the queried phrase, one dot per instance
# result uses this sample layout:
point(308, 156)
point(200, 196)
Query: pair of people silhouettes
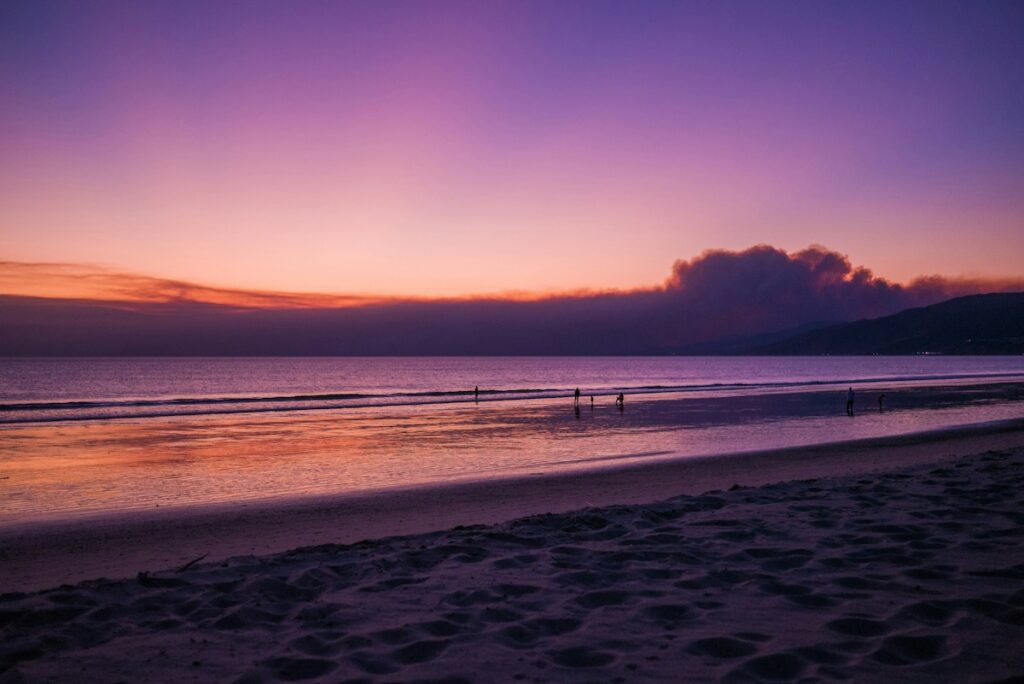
point(849, 402)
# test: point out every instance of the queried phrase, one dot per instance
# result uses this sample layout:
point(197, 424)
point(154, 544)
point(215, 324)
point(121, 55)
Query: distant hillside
point(740, 345)
point(977, 324)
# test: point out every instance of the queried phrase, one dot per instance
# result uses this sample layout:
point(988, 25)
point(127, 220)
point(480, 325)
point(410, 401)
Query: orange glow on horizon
point(88, 282)
point(98, 284)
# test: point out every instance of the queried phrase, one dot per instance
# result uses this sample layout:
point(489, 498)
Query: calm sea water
point(88, 436)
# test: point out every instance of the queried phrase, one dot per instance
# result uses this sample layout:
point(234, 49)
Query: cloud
point(723, 294)
point(97, 283)
point(718, 295)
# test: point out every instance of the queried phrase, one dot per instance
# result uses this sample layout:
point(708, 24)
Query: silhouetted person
point(576, 399)
point(591, 402)
point(476, 393)
point(881, 402)
point(620, 401)
point(849, 402)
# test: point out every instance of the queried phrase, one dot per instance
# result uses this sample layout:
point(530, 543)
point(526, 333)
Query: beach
point(871, 560)
point(541, 342)
point(63, 461)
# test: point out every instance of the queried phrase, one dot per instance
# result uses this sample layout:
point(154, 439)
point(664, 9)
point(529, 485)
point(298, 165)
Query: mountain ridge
point(981, 324)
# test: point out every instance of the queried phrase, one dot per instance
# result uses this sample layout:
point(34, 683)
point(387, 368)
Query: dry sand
point(909, 573)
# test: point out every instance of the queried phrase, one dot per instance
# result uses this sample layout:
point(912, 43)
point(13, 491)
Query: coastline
point(73, 411)
point(907, 568)
point(83, 469)
point(34, 556)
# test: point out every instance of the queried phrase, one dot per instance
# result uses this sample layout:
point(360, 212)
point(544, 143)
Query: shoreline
point(457, 398)
point(35, 555)
point(83, 469)
point(912, 574)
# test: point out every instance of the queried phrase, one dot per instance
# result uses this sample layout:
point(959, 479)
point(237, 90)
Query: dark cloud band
point(717, 296)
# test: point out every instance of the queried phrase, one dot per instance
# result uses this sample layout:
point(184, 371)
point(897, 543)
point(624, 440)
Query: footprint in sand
point(858, 627)
point(910, 650)
point(421, 651)
point(777, 667)
point(312, 645)
point(522, 560)
point(929, 613)
point(297, 669)
point(528, 632)
point(581, 656)
point(439, 628)
point(600, 599)
point(372, 665)
point(671, 613)
point(721, 647)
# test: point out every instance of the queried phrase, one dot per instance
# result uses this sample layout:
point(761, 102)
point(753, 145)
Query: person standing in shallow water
point(881, 402)
point(576, 397)
point(476, 393)
point(849, 402)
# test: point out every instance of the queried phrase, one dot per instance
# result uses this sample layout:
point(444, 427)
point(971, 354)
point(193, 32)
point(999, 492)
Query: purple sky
point(446, 149)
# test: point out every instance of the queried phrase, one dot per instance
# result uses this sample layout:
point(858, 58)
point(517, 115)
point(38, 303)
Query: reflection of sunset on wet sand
point(99, 466)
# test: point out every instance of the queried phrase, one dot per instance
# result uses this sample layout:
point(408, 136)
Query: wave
point(99, 409)
point(213, 400)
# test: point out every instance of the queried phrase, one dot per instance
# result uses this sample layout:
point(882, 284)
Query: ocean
point(94, 436)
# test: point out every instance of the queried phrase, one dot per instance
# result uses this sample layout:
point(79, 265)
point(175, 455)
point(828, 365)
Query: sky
point(720, 302)
point(444, 149)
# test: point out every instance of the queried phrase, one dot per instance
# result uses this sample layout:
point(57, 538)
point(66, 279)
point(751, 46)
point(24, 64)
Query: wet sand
point(884, 560)
point(66, 470)
point(45, 554)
